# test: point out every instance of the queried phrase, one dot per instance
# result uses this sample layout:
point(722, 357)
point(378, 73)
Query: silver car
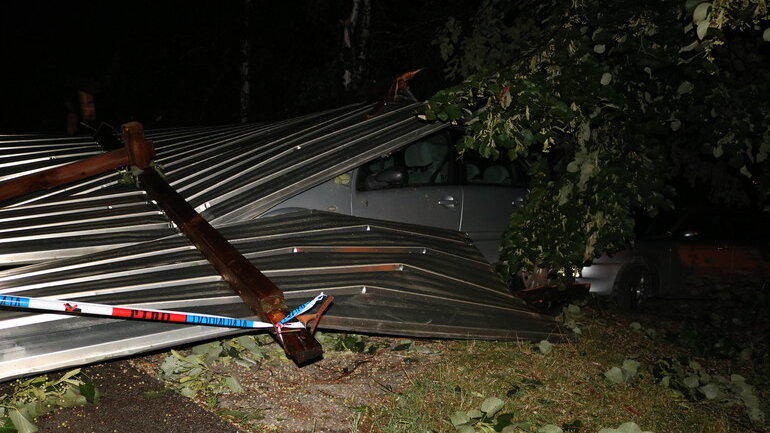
point(427, 183)
point(672, 248)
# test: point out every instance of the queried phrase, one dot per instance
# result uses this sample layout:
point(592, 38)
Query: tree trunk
point(245, 55)
point(355, 35)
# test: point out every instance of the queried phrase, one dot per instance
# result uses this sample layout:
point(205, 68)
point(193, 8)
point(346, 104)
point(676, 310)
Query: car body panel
point(722, 243)
point(487, 213)
point(430, 205)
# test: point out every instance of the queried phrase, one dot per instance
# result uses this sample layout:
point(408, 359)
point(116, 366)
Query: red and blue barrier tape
point(62, 306)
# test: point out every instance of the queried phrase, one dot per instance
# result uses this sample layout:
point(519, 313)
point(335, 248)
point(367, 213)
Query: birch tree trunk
point(245, 56)
point(355, 35)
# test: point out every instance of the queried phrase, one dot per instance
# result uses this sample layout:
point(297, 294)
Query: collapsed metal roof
point(228, 174)
point(101, 241)
point(386, 278)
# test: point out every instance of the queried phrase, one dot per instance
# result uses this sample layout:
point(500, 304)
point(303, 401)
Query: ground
point(389, 385)
point(327, 396)
point(133, 401)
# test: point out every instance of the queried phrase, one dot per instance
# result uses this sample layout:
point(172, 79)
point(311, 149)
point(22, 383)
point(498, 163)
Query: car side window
point(476, 170)
point(427, 161)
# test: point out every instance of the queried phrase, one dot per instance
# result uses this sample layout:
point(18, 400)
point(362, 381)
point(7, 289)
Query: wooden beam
point(140, 150)
point(62, 175)
point(256, 290)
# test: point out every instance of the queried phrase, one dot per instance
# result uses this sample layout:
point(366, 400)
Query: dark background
point(173, 63)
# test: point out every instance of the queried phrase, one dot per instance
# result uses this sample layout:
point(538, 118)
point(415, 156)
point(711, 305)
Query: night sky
point(177, 63)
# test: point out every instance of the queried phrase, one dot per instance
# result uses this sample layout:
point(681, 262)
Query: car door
point(492, 191)
point(426, 192)
point(751, 243)
point(703, 244)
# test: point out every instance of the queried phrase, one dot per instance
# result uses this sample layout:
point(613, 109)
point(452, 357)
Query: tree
point(609, 102)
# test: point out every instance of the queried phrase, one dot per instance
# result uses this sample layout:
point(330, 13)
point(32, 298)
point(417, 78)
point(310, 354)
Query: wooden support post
point(257, 291)
point(140, 150)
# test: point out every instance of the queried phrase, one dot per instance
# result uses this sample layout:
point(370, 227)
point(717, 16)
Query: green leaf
point(34, 409)
point(684, 88)
point(665, 381)
point(550, 428)
point(630, 368)
point(766, 35)
point(403, 345)
point(710, 390)
point(606, 79)
point(459, 418)
point(233, 385)
point(465, 429)
point(745, 354)
point(70, 374)
point(599, 48)
point(502, 421)
point(745, 171)
point(718, 151)
point(475, 414)
point(526, 137)
point(629, 427)
point(702, 29)
point(615, 375)
point(691, 381)
point(7, 426)
point(22, 424)
point(635, 326)
point(689, 47)
point(491, 406)
point(756, 416)
point(700, 13)
point(88, 390)
point(545, 347)
point(573, 310)
point(72, 398)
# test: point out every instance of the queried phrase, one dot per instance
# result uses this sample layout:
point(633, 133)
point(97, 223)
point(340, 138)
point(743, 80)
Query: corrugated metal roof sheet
point(228, 173)
point(386, 277)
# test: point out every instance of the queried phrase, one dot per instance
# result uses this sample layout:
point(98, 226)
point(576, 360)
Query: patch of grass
point(566, 387)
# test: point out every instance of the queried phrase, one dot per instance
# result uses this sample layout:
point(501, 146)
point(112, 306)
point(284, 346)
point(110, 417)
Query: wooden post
point(256, 290)
point(140, 150)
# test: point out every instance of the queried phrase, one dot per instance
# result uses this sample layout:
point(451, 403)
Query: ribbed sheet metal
point(386, 277)
point(228, 174)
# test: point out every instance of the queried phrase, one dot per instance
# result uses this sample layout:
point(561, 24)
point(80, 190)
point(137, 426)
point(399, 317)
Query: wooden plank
point(258, 292)
point(62, 175)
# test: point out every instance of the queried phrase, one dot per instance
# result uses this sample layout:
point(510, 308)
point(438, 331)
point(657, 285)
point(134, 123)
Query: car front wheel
point(636, 283)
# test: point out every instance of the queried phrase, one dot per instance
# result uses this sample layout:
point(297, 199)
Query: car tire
point(637, 282)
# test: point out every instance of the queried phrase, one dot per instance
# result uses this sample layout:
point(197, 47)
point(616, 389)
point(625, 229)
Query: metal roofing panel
point(386, 277)
point(229, 174)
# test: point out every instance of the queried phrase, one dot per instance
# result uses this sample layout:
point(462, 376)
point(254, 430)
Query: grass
point(567, 387)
